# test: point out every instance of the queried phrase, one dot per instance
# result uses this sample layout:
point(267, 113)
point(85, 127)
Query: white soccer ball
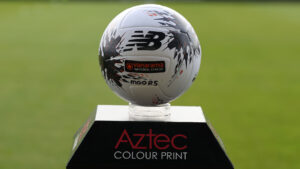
point(149, 55)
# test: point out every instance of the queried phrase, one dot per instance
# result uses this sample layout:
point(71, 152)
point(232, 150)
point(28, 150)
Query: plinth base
point(110, 139)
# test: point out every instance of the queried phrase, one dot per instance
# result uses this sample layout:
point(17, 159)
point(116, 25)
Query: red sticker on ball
point(144, 66)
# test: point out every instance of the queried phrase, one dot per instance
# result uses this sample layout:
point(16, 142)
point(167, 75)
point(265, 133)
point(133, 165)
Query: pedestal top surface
point(178, 114)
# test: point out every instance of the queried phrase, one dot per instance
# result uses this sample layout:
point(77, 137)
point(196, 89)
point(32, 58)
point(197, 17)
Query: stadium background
point(248, 85)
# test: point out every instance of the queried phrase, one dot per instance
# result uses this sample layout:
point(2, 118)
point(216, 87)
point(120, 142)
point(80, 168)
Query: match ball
point(149, 55)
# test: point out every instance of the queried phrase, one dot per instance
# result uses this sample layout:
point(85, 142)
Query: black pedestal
point(110, 140)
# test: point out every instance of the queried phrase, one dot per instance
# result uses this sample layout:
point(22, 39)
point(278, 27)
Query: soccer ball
point(149, 55)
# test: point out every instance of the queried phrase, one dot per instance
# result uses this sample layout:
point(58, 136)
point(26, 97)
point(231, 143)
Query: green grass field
point(248, 85)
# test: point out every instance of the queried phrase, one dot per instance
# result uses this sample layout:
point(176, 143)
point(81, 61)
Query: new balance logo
point(150, 41)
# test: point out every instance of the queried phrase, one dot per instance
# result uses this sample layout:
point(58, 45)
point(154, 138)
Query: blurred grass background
point(248, 85)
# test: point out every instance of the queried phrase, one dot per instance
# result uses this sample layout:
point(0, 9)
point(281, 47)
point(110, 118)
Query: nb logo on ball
point(150, 41)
